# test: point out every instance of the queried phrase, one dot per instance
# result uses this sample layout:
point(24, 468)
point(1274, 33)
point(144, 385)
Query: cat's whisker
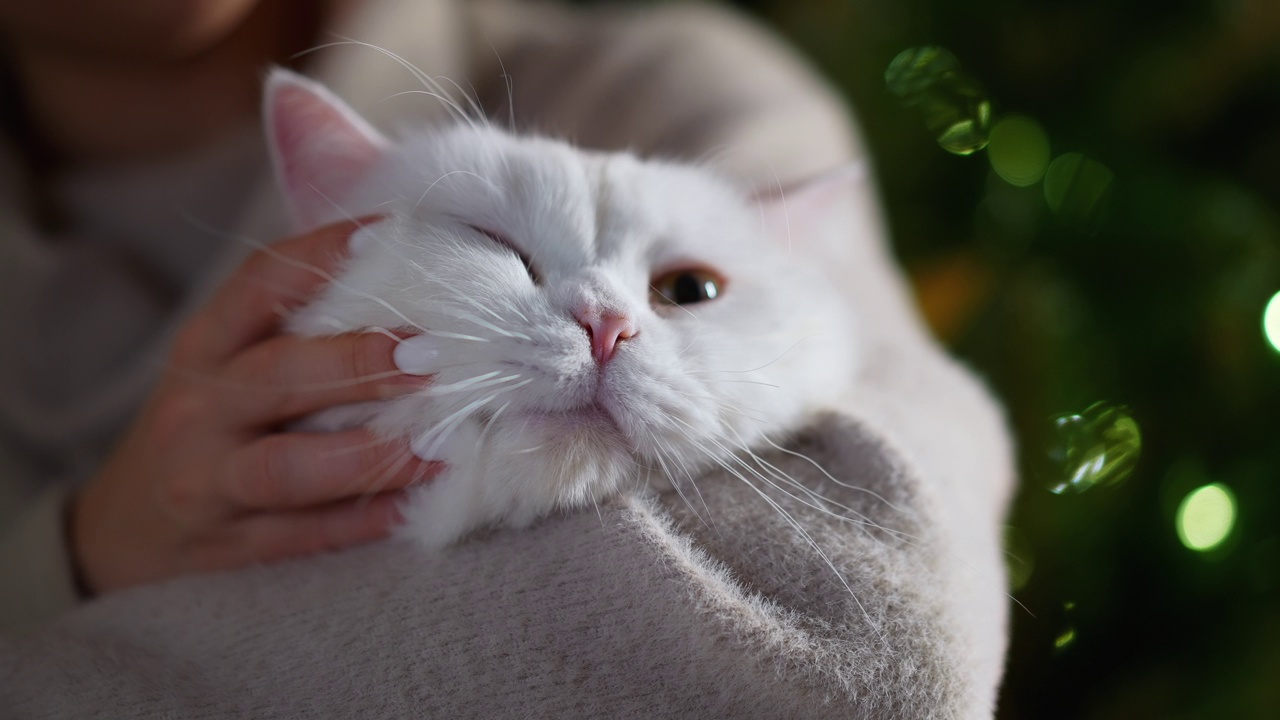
point(675, 481)
point(747, 382)
point(418, 74)
point(497, 413)
point(732, 455)
point(444, 99)
point(420, 475)
point(490, 326)
point(912, 540)
point(213, 380)
point(385, 468)
point(592, 495)
point(716, 154)
point(455, 336)
point(712, 155)
point(812, 505)
point(394, 464)
point(804, 534)
point(511, 306)
point(482, 308)
point(448, 306)
point(861, 521)
point(317, 271)
point(831, 477)
point(471, 97)
point(476, 383)
point(516, 310)
point(783, 477)
point(450, 174)
point(484, 432)
point(342, 212)
point(468, 382)
point(440, 432)
point(902, 536)
point(722, 404)
point(688, 473)
point(686, 310)
point(506, 79)
point(663, 453)
point(771, 362)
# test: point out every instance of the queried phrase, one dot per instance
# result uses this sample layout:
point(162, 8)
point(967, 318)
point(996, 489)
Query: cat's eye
point(504, 242)
point(685, 287)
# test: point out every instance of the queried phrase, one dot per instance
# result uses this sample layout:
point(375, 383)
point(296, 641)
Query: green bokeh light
point(1076, 188)
point(1064, 640)
point(1098, 446)
point(954, 106)
point(917, 70)
point(1206, 516)
point(1271, 321)
point(1018, 150)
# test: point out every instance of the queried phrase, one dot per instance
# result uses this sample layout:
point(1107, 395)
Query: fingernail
point(416, 355)
point(361, 239)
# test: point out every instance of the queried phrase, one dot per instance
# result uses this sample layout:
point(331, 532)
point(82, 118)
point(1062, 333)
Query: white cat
point(592, 320)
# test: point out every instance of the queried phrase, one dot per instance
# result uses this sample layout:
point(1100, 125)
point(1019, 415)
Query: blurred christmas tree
point(1084, 193)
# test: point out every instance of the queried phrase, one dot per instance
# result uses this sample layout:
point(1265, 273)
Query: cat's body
point(592, 321)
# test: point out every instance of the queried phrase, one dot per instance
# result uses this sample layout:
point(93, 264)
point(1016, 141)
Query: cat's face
point(579, 300)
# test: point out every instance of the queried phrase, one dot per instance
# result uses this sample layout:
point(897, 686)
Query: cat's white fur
point(525, 418)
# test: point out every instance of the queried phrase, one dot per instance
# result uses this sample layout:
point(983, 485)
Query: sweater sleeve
point(35, 565)
point(685, 80)
point(650, 609)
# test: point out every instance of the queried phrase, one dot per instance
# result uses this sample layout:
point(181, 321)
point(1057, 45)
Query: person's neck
point(90, 109)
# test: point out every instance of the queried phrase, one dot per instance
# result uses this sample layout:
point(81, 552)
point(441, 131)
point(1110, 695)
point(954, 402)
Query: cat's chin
point(589, 420)
point(518, 468)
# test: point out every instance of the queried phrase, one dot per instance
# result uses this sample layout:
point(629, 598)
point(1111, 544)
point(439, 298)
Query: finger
point(276, 536)
point(287, 376)
point(294, 470)
point(247, 307)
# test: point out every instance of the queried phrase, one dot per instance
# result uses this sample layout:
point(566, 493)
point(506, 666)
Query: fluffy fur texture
point(514, 257)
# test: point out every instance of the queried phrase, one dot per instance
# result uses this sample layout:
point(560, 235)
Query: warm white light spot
point(1206, 516)
point(1271, 321)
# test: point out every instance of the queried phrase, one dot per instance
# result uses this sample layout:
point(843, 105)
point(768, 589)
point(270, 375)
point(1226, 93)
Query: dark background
point(1136, 273)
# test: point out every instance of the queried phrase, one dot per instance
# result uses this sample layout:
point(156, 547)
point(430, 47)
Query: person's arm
point(204, 479)
point(688, 81)
point(36, 577)
point(35, 561)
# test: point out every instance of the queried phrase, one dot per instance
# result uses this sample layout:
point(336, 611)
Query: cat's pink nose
point(606, 331)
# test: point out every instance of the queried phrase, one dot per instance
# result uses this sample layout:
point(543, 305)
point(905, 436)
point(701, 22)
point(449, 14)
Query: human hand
point(207, 479)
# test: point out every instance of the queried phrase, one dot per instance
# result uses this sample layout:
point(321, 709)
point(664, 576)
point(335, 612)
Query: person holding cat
point(149, 400)
point(131, 135)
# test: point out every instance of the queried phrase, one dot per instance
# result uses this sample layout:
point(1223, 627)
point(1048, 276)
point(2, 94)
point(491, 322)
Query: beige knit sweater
point(640, 611)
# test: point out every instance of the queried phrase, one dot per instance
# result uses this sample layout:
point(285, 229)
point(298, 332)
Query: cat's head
point(576, 302)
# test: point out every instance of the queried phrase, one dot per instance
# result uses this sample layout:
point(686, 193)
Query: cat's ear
point(320, 147)
point(816, 212)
